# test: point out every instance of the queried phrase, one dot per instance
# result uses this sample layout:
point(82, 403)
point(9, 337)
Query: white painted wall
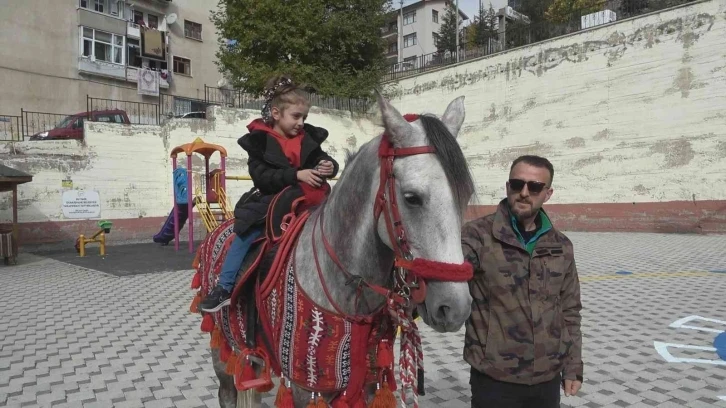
point(130, 165)
point(630, 112)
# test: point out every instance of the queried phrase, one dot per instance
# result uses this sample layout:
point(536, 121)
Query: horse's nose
point(451, 313)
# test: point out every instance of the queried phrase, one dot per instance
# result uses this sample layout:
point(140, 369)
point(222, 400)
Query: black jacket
point(271, 171)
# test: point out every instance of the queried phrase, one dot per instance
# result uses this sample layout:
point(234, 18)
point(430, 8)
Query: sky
point(469, 7)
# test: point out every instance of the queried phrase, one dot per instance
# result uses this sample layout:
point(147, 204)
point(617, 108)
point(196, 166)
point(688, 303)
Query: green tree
point(486, 25)
point(564, 11)
point(333, 47)
point(449, 30)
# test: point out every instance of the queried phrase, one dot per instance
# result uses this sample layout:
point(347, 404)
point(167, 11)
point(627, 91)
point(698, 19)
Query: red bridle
point(412, 273)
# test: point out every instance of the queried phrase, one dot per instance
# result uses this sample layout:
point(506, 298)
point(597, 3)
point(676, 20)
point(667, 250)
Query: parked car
point(72, 126)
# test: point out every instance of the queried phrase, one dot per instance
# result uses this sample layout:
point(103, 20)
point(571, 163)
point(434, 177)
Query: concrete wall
point(631, 115)
point(39, 56)
point(129, 166)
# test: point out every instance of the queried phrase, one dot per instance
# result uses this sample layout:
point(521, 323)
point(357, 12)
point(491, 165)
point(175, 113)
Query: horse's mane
point(451, 158)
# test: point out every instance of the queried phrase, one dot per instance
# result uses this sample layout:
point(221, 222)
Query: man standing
point(523, 338)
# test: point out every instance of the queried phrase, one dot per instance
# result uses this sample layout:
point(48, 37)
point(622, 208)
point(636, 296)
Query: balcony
point(133, 30)
point(97, 67)
point(132, 75)
point(389, 31)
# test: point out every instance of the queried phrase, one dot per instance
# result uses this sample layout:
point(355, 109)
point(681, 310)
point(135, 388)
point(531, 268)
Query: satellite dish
point(171, 18)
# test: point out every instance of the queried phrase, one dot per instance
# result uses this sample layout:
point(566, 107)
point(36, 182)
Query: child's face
point(289, 121)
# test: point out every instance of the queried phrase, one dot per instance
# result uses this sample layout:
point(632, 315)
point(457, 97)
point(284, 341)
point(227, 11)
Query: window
point(409, 18)
point(153, 21)
point(133, 51)
point(156, 65)
point(102, 46)
point(110, 118)
point(392, 48)
point(436, 39)
point(138, 17)
point(409, 40)
point(112, 7)
point(192, 30)
point(435, 16)
point(182, 66)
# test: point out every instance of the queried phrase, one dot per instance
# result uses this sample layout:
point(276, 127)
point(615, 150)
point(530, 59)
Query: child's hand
point(326, 168)
point(311, 177)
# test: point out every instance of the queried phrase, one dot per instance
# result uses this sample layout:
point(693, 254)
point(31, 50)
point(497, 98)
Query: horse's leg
point(227, 394)
point(249, 399)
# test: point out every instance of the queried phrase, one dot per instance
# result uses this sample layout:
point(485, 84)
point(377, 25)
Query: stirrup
point(250, 356)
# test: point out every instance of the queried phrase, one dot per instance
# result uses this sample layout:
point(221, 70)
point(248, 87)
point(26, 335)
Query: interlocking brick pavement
point(77, 337)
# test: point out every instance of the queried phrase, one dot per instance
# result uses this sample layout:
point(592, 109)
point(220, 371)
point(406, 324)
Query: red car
point(72, 126)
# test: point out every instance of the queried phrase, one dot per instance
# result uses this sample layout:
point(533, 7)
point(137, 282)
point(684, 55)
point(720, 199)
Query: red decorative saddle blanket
point(312, 347)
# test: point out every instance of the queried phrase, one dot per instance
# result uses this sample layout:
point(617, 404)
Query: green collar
point(545, 226)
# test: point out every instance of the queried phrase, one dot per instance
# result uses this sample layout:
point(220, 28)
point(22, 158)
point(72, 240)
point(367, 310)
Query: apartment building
point(412, 32)
point(55, 52)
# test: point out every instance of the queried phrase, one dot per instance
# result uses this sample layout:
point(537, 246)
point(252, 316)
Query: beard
point(522, 208)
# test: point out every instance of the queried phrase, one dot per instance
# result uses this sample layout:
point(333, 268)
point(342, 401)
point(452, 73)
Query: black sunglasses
point(534, 187)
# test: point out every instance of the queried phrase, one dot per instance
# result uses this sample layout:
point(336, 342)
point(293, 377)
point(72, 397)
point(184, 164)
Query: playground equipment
point(166, 233)
point(208, 190)
point(99, 236)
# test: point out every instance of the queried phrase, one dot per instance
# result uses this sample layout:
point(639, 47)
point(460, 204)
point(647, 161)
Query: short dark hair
point(535, 161)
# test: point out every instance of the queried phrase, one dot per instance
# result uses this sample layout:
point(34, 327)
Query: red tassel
point(207, 323)
point(384, 398)
point(231, 364)
point(195, 262)
point(216, 340)
point(225, 350)
point(318, 402)
point(384, 359)
point(197, 281)
point(194, 307)
point(284, 396)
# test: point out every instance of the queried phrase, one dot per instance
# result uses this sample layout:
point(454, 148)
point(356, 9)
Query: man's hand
point(571, 387)
point(311, 177)
point(325, 168)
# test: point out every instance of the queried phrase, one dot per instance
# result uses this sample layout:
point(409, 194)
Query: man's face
point(525, 199)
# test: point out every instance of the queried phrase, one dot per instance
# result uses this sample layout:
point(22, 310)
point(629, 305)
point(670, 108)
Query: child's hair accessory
point(269, 95)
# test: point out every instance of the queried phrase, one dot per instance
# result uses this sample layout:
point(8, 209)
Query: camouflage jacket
point(525, 321)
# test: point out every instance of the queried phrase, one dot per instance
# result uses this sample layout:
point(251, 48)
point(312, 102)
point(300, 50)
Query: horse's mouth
point(440, 327)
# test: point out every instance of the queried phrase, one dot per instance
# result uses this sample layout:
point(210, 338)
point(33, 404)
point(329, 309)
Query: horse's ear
point(453, 118)
point(397, 128)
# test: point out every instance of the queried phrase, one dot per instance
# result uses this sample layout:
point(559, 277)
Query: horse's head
point(432, 191)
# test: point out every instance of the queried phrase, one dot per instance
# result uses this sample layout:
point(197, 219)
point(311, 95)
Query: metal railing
point(231, 98)
point(519, 33)
point(10, 128)
point(139, 113)
point(238, 99)
point(34, 123)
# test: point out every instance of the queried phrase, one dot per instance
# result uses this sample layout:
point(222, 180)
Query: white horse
point(431, 184)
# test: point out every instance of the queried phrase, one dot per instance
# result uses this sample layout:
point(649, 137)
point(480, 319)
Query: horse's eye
point(413, 199)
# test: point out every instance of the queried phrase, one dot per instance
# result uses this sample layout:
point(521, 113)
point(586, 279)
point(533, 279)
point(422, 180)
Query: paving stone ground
point(74, 336)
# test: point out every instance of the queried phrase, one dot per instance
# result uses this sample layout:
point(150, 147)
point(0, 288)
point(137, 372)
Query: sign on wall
point(81, 204)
